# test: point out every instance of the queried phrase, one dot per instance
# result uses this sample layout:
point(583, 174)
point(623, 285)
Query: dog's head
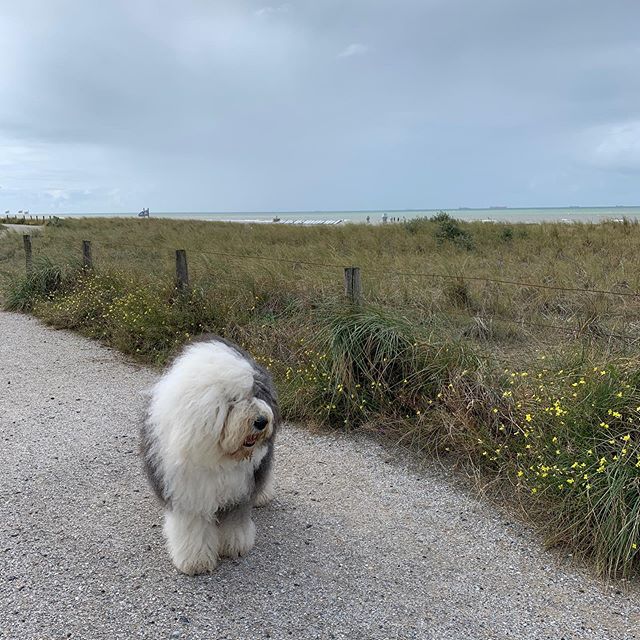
point(248, 424)
point(212, 403)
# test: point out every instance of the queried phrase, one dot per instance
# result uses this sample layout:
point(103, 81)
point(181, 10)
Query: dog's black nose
point(260, 423)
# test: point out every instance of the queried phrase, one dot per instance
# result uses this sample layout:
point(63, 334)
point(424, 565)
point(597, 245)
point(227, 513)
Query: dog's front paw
point(192, 542)
point(236, 539)
point(195, 566)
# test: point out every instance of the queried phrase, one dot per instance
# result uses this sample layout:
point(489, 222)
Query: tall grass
point(40, 284)
point(534, 387)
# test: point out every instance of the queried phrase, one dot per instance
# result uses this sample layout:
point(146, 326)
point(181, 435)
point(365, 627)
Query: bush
point(506, 234)
point(569, 440)
point(146, 320)
point(43, 281)
point(441, 217)
point(584, 458)
point(366, 366)
point(449, 230)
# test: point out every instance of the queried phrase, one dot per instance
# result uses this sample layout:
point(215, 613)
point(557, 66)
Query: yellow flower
point(528, 417)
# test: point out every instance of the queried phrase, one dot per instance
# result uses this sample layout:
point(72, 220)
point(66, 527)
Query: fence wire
point(577, 330)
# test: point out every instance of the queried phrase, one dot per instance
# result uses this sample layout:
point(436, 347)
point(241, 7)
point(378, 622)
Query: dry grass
point(575, 256)
point(515, 380)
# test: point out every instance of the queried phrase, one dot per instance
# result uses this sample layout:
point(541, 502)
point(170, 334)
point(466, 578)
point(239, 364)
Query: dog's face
point(248, 424)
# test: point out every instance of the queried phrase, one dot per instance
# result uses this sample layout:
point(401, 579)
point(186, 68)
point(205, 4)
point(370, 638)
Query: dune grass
point(537, 387)
point(24, 220)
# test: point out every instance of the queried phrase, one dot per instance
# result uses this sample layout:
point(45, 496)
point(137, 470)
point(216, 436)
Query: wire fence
point(353, 291)
point(393, 272)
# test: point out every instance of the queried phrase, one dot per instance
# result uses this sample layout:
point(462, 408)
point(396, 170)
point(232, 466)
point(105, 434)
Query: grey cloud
point(334, 104)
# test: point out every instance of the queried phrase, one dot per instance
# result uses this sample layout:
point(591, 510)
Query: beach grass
point(535, 384)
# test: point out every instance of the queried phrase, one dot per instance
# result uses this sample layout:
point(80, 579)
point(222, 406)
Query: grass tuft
point(42, 283)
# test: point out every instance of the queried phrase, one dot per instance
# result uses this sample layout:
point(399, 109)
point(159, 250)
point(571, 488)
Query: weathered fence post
point(27, 253)
point(352, 285)
point(87, 260)
point(182, 272)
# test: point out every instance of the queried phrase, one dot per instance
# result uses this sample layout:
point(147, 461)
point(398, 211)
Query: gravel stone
point(358, 544)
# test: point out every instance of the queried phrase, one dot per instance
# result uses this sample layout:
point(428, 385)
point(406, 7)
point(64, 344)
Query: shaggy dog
point(207, 444)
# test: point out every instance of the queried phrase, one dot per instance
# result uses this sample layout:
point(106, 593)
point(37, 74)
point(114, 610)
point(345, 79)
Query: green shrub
point(365, 365)
point(569, 440)
point(43, 281)
point(449, 230)
point(442, 217)
point(506, 234)
point(145, 319)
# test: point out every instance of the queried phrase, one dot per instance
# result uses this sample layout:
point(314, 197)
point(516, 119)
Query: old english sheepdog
point(207, 444)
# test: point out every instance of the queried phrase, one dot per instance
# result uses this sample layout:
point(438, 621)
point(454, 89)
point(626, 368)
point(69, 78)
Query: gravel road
point(357, 545)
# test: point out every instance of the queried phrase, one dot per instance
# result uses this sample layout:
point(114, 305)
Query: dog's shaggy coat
point(207, 445)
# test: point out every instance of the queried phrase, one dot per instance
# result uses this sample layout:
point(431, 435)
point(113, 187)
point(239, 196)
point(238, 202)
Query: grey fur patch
point(235, 514)
point(151, 463)
point(264, 389)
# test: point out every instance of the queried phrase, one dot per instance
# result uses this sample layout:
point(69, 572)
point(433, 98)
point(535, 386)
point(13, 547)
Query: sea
point(491, 214)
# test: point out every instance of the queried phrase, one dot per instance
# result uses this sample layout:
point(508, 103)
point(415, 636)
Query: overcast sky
point(206, 105)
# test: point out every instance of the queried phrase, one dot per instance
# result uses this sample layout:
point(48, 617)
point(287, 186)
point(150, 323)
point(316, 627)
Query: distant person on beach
point(368, 219)
point(385, 218)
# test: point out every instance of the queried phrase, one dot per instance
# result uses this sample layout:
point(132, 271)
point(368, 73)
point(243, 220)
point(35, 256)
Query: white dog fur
point(207, 445)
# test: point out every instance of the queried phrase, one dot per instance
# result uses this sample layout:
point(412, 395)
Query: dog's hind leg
point(236, 531)
point(266, 492)
point(192, 541)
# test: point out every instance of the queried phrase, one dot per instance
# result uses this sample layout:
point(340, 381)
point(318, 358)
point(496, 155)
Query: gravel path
point(355, 546)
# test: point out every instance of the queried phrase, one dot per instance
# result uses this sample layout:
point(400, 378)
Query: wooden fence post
point(352, 285)
point(182, 272)
point(27, 253)
point(87, 260)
